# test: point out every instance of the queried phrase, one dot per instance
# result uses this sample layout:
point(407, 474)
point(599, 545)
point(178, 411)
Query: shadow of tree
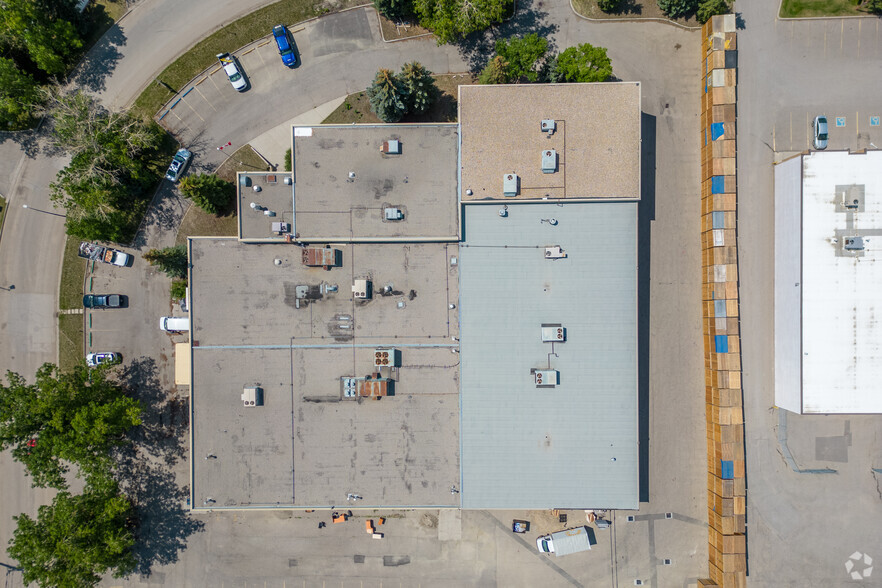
point(100, 61)
point(477, 48)
point(165, 212)
point(145, 472)
point(628, 7)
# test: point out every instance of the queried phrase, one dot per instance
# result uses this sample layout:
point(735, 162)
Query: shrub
point(288, 160)
point(709, 8)
point(677, 8)
point(609, 5)
point(208, 192)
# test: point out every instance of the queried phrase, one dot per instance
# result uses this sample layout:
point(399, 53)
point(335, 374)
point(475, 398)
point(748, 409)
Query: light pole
point(26, 207)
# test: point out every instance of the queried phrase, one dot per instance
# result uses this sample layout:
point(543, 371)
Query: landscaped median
point(822, 8)
point(631, 10)
point(237, 34)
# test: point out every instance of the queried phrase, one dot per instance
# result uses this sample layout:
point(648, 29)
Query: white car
point(231, 68)
point(178, 165)
point(96, 359)
point(819, 128)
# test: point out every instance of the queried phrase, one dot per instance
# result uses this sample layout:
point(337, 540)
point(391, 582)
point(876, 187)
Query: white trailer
point(566, 542)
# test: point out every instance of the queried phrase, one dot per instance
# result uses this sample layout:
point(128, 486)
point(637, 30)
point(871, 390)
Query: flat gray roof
point(343, 182)
point(309, 445)
point(573, 445)
point(596, 140)
point(273, 204)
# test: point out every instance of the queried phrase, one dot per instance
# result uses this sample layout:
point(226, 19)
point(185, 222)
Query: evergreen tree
point(171, 260)
point(709, 8)
point(388, 96)
point(209, 192)
point(394, 9)
point(677, 8)
point(609, 5)
point(495, 72)
point(420, 87)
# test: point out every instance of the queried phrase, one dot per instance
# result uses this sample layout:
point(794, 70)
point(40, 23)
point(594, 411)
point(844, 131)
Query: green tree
point(72, 417)
point(394, 9)
point(208, 192)
point(495, 72)
point(874, 6)
point(709, 8)
point(609, 5)
point(18, 94)
point(677, 8)
point(451, 20)
point(77, 539)
point(388, 96)
point(51, 42)
point(288, 160)
point(419, 85)
point(521, 54)
point(171, 260)
point(583, 63)
point(178, 289)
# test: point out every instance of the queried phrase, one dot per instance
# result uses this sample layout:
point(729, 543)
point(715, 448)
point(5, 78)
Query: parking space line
point(774, 145)
point(791, 130)
point(825, 42)
point(204, 98)
point(807, 140)
point(859, 39)
point(841, 34)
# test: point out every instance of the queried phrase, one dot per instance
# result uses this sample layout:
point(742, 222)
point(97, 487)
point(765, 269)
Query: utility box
point(549, 161)
point(553, 334)
point(252, 396)
point(393, 214)
point(361, 289)
point(545, 378)
point(391, 147)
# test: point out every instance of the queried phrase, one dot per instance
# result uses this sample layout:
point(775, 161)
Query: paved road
point(799, 525)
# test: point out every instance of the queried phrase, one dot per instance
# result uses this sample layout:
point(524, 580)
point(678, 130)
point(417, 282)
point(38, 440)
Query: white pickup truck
point(104, 254)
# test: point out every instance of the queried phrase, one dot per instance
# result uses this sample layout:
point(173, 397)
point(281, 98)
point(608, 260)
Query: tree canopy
point(419, 86)
point(170, 260)
point(62, 418)
point(521, 56)
point(109, 169)
point(709, 8)
point(18, 94)
point(394, 9)
point(388, 96)
point(77, 539)
point(209, 192)
point(452, 20)
point(495, 72)
point(678, 8)
point(40, 29)
point(583, 63)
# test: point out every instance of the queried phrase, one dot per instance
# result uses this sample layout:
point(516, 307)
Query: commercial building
point(828, 274)
point(400, 321)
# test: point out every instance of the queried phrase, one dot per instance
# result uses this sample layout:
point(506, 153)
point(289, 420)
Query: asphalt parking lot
point(801, 525)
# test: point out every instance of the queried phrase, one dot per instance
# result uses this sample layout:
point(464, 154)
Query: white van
point(174, 324)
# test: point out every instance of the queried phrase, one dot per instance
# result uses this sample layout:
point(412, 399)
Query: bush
point(209, 192)
point(709, 8)
point(394, 9)
point(677, 8)
point(178, 289)
point(496, 72)
point(874, 6)
point(609, 5)
point(288, 159)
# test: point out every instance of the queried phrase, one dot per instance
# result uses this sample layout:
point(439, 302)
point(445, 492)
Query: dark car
point(283, 42)
point(102, 301)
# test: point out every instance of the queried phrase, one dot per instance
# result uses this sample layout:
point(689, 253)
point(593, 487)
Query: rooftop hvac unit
point(391, 147)
point(548, 126)
point(385, 358)
point(350, 387)
point(510, 185)
point(288, 181)
point(553, 333)
point(545, 378)
point(549, 161)
point(393, 214)
point(853, 243)
point(554, 252)
point(252, 396)
point(361, 289)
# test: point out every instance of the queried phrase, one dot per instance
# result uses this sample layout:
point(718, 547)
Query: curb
point(635, 20)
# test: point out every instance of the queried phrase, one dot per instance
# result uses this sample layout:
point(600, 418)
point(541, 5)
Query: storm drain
point(358, 558)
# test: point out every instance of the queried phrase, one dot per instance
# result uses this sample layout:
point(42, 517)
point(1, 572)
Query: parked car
point(820, 128)
point(96, 359)
point(178, 165)
point(283, 42)
point(174, 324)
point(233, 71)
point(102, 301)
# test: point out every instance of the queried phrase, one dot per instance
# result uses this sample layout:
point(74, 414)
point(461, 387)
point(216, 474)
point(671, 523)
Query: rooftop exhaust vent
point(252, 396)
point(853, 243)
point(361, 289)
point(385, 358)
point(549, 161)
point(555, 252)
point(392, 147)
point(548, 126)
point(850, 197)
point(510, 185)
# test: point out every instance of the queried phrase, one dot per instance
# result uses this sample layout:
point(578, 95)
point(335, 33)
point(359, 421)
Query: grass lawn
point(243, 159)
point(70, 340)
point(73, 272)
point(198, 223)
point(237, 34)
point(802, 8)
point(635, 9)
point(357, 108)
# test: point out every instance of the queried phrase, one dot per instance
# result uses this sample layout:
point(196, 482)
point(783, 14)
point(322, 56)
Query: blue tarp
point(716, 131)
point(728, 469)
point(718, 185)
point(721, 343)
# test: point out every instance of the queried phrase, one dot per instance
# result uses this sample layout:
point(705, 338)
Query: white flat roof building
point(828, 283)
